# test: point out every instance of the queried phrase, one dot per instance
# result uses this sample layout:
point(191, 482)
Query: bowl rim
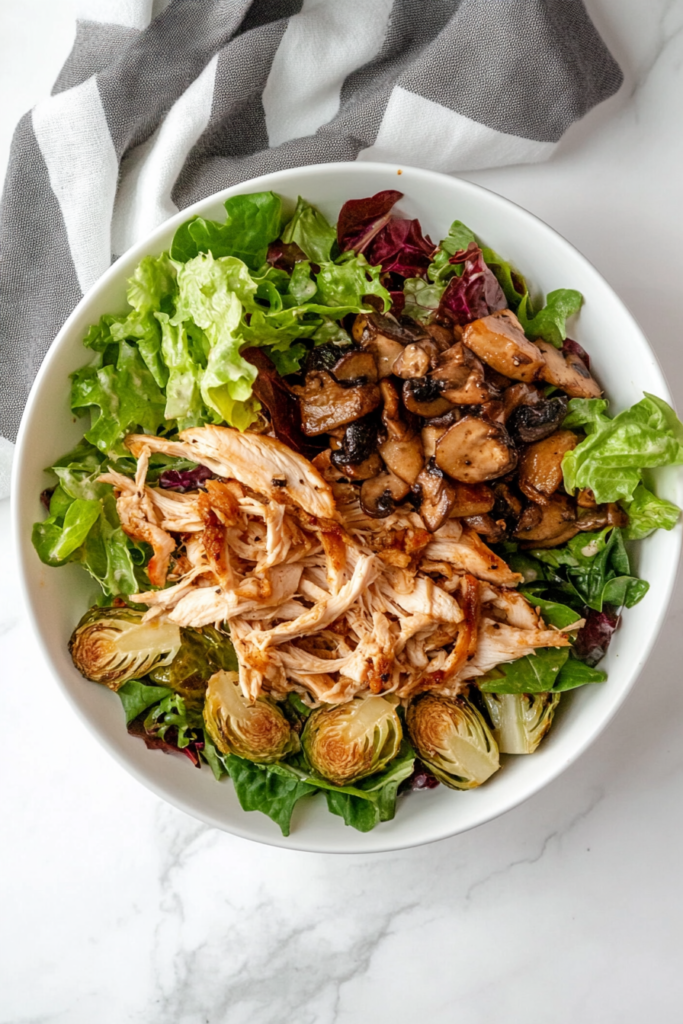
point(375, 841)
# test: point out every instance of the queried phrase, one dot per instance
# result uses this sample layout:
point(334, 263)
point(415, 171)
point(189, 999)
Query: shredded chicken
point(319, 598)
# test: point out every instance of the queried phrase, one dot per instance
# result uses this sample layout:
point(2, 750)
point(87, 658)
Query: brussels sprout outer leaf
point(266, 789)
point(576, 673)
point(136, 697)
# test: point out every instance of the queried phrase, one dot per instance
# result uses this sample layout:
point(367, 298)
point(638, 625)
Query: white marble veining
point(117, 908)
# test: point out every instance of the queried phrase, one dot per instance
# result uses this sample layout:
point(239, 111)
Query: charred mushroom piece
point(325, 404)
point(472, 500)
point(569, 373)
point(461, 376)
point(359, 441)
point(500, 342)
point(475, 450)
point(380, 495)
point(521, 394)
point(485, 526)
point(430, 435)
point(534, 422)
point(585, 498)
point(423, 396)
point(434, 496)
point(404, 457)
point(356, 365)
point(540, 466)
point(443, 336)
point(548, 525)
point(371, 325)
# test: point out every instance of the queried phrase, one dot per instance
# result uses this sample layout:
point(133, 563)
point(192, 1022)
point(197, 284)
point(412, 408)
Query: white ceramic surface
point(621, 359)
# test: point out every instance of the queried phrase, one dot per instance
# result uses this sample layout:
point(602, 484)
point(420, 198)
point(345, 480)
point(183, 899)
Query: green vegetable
point(646, 513)
point(136, 697)
point(268, 789)
point(113, 645)
point(595, 568)
point(311, 232)
point(612, 457)
point(550, 323)
point(201, 653)
point(347, 742)
point(453, 740)
point(257, 731)
point(459, 237)
point(421, 298)
point(576, 673)
point(173, 713)
point(252, 223)
point(535, 673)
point(520, 720)
point(346, 283)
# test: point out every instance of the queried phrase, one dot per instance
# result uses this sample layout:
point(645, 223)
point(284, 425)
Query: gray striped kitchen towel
point(160, 104)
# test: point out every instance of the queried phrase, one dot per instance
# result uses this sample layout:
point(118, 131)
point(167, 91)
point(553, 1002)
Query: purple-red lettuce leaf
point(594, 638)
point(361, 219)
point(475, 293)
point(184, 479)
point(401, 248)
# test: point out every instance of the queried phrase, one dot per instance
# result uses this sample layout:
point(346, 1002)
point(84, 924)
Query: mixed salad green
point(182, 356)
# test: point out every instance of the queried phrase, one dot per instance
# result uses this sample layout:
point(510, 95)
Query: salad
point(358, 511)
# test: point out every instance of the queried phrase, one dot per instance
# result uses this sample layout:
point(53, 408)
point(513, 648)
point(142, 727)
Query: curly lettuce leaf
point(421, 298)
point(345, 284)
point(550, 323)
point(311, 231)
point(459, 238)
point(121, 397)
point(252, 223)
point(611, 459)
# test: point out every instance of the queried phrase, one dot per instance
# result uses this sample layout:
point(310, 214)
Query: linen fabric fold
point(161, 104)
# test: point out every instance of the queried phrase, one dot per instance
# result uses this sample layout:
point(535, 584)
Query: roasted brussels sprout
point(520, 720)
point(258, 732)
point(202, 652)
point(112, 645)
point(349, 741)
point(453, 740)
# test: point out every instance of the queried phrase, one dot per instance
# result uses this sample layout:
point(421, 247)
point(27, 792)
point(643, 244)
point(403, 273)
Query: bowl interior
point(622, 360)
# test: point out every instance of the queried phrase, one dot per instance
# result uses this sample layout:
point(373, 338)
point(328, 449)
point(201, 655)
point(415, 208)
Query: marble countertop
point(117, 907)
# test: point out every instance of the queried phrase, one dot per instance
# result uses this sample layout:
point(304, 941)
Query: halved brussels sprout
point(202, 652)
point(112, 645)
point(453, 740)
point(258, 732)
point(520, 720)
point(349, 741)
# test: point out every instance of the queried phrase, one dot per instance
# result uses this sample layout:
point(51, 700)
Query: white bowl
point(57, 598)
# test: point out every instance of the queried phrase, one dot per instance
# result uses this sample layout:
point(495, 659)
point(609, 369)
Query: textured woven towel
point(161, 104)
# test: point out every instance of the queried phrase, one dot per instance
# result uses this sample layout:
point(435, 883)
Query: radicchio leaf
point(577, 350)
point(361, 219)
point(283, 407)
point(593, 639)
point(401, 248)
point(167, 744)
point(474, 294)
point(184, 479)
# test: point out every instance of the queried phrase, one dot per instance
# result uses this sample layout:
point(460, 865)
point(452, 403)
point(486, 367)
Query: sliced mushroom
point(494, 411)
point(507, 502)
point(370, 325)
point(404, 457)
point(430, 435)
point(325, 404)
point(520, 394)
point(474, 450)
point(500, 342)
point(540, 466)
point(379, 496)
point(548, 525)
point(534, 422)
point(416, 359)
point(434, 496)
point(601, 516)
point(486, 526)
point(569, 372)
point(443, 336)
point(585, 498)
point(323, 357)
point(356, 365)
point(393, 414)
point(423, 396)
point(461, 375)
point(370, 467)
point(472, 500)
